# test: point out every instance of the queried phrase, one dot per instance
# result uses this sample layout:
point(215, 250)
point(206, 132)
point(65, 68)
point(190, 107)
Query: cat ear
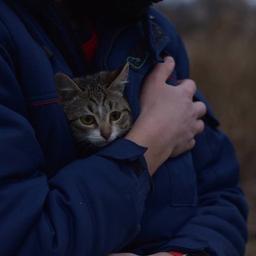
point(108, 76)
point(121, 80)
point(66, 87)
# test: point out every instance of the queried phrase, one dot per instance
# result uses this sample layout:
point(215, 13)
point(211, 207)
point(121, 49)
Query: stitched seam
point(46, 96)
point(45, 102)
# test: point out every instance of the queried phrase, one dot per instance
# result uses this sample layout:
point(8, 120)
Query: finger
point(191, 144)
point(200, 109)
point(189, 87)
point(184, 148)
point(199, 126)
point(162, 71)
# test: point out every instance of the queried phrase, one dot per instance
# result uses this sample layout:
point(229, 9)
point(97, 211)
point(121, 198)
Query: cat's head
point(95, 106)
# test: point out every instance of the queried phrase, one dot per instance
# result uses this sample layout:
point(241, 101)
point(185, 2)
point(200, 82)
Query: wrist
point(139, 134)
point(154, 159)
point(154, 156)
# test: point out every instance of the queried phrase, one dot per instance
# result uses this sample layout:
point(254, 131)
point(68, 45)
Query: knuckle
point(204, 108)
point(202, 105)
point(200, 126)
point(189, 87)
point(194, 112)
point(201, 108)
point(192, 84)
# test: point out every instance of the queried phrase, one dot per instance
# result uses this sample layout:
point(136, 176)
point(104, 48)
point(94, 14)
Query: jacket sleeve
point(92, 206)
point(219, 226)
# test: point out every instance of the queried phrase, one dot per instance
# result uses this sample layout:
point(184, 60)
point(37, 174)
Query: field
point(220, 36)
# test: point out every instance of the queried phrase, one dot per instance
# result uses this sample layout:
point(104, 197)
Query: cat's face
point(95, 106)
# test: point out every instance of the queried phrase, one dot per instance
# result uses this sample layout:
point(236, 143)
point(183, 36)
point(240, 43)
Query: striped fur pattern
point(95, 106)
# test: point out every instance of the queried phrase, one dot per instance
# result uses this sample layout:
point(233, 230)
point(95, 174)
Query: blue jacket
point(52, 203)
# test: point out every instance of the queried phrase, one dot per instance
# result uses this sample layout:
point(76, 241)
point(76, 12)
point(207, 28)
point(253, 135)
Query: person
point(170, 185)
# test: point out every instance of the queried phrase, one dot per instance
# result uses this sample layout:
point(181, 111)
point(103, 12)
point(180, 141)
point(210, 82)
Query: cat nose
point(105, 133)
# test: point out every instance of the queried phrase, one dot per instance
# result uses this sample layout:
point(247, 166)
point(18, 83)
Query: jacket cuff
point(127, 151)
point(122, 149)
point(132, 155)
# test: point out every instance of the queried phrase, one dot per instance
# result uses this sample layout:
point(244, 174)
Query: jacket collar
point(157, 37)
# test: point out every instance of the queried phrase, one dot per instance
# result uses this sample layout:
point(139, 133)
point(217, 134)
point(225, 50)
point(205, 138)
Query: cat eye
point(87, 120)
point(115, 115)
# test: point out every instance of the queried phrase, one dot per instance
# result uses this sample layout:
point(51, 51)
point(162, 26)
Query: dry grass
point(229, 82)
point(223, 62)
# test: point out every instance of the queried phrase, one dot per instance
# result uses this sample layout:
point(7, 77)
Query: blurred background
point(220, 36)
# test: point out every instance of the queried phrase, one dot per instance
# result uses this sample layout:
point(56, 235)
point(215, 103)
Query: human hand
point(169, 118)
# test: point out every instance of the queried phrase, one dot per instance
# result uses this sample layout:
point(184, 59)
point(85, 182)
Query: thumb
point(162, 71)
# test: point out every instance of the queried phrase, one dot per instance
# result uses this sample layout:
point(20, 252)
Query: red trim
point(176, 254)
point(45, 102)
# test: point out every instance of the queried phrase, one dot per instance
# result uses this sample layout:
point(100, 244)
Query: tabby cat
point(95, 107)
